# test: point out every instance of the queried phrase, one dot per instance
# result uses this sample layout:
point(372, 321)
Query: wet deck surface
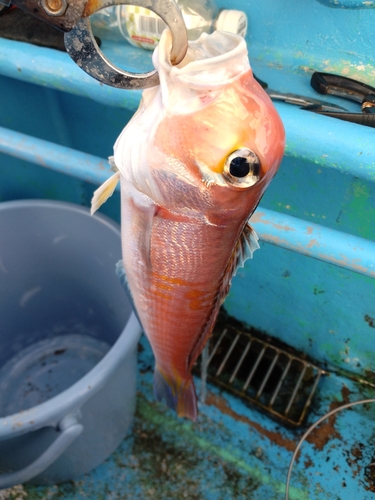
point(233, 452)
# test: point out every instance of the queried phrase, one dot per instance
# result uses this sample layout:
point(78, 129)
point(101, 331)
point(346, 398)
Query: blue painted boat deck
point(233, 452)
point(319, 212)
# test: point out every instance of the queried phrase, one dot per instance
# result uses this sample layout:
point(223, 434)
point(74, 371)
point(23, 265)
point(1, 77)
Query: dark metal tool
point(73, 18)
point(347, 88)
point(336, 85)
point(303, 101)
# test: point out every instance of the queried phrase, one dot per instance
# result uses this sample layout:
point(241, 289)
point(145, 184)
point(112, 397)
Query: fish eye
point(242, 168)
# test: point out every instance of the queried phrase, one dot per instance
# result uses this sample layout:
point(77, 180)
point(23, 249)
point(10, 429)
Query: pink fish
point(193, 162)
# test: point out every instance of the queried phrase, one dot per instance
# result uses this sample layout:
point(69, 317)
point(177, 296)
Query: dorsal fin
point(245, 247)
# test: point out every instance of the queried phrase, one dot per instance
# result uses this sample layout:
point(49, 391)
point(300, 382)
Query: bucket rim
point(50, 412)
point(66, 205)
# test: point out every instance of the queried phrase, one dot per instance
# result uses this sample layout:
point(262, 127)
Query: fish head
point(229, 149)
point(208, 140)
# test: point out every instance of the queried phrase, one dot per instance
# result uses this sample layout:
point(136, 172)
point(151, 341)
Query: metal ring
point(83, 49)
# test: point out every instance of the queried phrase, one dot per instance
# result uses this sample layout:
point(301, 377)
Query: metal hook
point(83, 49)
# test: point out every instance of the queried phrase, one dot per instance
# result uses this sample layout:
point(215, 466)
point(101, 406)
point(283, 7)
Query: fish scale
point(189, 291)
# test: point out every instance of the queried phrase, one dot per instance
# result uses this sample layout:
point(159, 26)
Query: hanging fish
point(193, 162)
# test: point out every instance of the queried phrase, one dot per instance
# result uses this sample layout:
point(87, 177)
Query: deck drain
point(274, 379)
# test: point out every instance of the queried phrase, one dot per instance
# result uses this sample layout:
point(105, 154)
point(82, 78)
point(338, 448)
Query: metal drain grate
point(272, 378)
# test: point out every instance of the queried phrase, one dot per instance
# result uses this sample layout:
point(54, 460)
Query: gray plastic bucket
point(68, 342)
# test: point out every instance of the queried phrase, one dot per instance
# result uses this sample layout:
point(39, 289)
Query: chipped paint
point(274, 437)
point(260, 216)
point(312, 243)
point(315, 241)
point(326, 432)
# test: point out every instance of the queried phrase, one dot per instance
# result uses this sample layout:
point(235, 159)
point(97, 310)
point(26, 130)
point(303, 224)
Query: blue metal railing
point(329, 245)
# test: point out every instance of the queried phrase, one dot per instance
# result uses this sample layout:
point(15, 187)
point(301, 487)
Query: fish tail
point(179, 395)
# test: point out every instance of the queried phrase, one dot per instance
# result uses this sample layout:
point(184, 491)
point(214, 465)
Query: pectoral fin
point(104, 191)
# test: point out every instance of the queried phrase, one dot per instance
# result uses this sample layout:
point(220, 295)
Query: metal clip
point(73, 17)
point(83, 49)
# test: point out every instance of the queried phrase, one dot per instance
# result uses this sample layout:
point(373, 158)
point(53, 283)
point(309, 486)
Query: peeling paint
point(327, 244)
point(274, 437)
point(313, 243)
point(326, 431)
point(260, 216)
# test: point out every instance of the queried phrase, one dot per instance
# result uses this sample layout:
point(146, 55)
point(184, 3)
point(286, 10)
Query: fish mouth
point(211, 63)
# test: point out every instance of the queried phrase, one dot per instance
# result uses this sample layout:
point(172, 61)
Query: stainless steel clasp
point(73, 17)
point(83, 49)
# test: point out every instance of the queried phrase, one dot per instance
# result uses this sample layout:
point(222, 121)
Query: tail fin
point(179, 395)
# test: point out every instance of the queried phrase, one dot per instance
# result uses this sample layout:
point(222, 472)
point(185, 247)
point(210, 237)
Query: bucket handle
point(70, 430)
